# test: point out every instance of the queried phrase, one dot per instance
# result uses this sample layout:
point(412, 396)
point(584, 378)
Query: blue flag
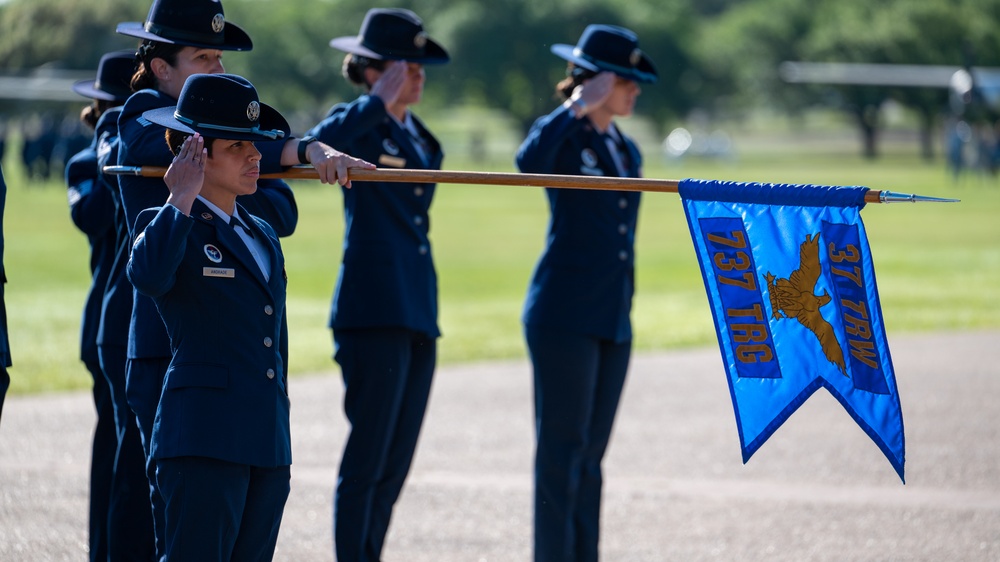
point(791, 285)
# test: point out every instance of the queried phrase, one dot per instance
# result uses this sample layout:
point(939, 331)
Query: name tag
point(392, 161)
point(218, 272)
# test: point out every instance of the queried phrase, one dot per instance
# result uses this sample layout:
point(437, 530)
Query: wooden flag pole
point(503, 178)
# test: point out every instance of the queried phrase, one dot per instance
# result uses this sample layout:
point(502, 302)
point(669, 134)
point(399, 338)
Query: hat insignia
point(218, 23)
point(253, 111)
point(635, 57)
point(420, 39)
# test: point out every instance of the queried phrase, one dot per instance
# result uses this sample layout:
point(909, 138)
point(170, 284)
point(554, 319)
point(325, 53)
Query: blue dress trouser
point(219, 511)
point(130, 519)
point(578, 382)
point(144, 383)
point(387, 378)
point(102, 463)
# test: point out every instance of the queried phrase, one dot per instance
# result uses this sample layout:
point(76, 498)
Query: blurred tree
point(73, 34)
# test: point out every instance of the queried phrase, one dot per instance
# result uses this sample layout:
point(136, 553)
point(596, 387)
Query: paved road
point(675, 490)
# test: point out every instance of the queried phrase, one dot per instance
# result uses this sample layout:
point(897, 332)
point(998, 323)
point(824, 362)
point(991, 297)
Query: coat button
point(267, 342)
point(423, 249)
point(270, 373)
point(622, 203)
point(418, 220)
point(623, 255)
point(418, 191)
point(623, 228)
point(268, 310)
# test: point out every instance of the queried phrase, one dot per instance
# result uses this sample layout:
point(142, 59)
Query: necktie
point(235, 222)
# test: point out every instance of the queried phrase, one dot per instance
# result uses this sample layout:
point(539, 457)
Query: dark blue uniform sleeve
point(537, 154)
point(158, 249)
point(345, 122)
point(90, 204)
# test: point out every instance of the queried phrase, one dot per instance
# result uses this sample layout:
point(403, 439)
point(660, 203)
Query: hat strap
point(272, 134)
point(180, 35)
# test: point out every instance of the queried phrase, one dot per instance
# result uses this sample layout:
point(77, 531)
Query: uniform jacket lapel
point(231, 241)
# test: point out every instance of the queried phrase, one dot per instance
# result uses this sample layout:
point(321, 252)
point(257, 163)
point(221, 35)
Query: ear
point(161, 69)
point(371, 75)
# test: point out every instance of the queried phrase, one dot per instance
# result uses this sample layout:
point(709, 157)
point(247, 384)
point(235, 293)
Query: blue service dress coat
point(387, 278)
point(225, 392)
point(585, 278)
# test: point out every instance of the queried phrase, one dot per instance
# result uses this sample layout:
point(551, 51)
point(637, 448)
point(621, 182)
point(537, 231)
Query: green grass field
point(938, 265)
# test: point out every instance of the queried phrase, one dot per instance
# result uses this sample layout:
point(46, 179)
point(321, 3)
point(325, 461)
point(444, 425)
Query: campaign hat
point(609, 48)
point(393, 34)
point(221, 106)
point(191, 23)
point(114, 74)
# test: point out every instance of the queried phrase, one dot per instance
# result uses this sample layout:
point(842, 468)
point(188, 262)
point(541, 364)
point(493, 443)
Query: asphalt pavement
point(675, 485)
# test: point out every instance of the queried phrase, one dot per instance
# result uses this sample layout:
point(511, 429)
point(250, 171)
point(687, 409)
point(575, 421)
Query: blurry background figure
point(92, 208)
point(4, 343)
point(577, 312)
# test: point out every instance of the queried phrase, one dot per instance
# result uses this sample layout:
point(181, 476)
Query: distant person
point(221, 440)
point(92, 208)
point(385, 307)
point(181, 38)
point(576, 315)
point(4, 343)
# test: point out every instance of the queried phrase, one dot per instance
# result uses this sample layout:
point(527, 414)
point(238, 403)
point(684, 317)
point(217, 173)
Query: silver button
point(418, 220)
point(268, 310)
point(267, 342)
point(423, 249)
point(622, 203)
point(418, 191)
point(623, 228)
point(623, 255)
point(270, 373)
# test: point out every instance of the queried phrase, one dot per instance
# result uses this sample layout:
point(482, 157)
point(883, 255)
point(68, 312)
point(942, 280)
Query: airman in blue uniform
point(4, 343)
point(181, 38)
point(576, 314)
point(92, 208)
point(384, 311)
point(216, 274)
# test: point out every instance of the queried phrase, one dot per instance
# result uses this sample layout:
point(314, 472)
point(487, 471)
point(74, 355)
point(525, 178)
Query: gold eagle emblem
point(795, 298)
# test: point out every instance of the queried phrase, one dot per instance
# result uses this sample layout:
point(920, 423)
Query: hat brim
point(644, 72)
point(434, 53)
point(88, 89)
point(270, 120)
point(233, 37)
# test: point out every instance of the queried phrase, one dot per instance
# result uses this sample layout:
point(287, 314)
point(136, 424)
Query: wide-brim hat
point(222, 106)
point(609, 48)
point(191, 23)
point(393, 34)
point(114, 76)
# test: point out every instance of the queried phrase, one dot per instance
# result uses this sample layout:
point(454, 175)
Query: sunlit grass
point(938, 265)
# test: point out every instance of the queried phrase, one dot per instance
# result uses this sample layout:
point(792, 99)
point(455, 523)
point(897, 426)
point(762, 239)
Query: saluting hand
point(186, 173)
point(390, 84)
point(333, 165)
point(592, 93)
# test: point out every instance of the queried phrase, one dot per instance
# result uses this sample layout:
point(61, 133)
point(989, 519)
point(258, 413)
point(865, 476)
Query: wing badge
point(795, 298)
